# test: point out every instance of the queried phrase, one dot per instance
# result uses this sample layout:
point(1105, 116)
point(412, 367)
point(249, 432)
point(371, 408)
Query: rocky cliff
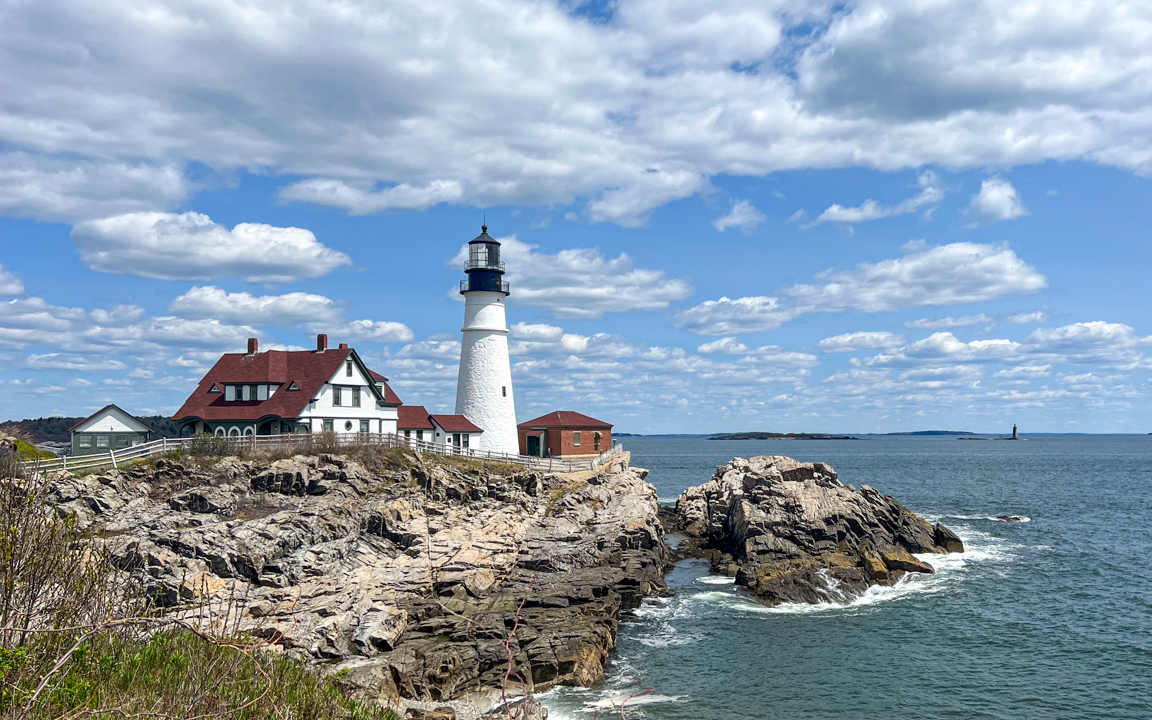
point(791, 531)
point(415, 579)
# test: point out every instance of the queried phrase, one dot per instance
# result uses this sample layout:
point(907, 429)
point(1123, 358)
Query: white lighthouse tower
point(484, 386)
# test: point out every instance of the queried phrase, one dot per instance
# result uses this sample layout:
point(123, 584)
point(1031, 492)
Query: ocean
point(1049, 618)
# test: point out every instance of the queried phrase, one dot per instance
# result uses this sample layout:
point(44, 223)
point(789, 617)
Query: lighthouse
point(484, 386)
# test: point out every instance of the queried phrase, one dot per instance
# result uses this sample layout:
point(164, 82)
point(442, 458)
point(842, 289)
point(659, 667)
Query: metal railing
point(504, 287)
point(475, 264)
point(307, 443)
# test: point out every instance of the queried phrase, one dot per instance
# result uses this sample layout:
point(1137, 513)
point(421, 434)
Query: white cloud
point(362, 202)
point(581, 283)
point(949, 322)
point(189, 246)
point(289, 309)
point(1027, 372)
point(944, 275)
point(945, 346)
point(743, 216)
point(9, 283)
point(538, 331)
point(507, 103)
point(381, 331)
point(51, 188)
point(929, 196)
point(62, 361)
point(849, 342)
point(1028, 318)
point(997, 200)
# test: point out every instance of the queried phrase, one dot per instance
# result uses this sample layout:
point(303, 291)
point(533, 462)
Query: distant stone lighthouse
point(484, 386)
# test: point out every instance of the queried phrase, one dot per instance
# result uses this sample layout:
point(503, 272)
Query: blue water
point(1046, 619)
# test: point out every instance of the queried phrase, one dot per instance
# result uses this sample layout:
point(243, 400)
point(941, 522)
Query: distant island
point(934, 432)
point(780, 436)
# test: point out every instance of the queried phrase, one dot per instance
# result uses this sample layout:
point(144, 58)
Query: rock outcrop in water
point(409, 578)
point(792, 532)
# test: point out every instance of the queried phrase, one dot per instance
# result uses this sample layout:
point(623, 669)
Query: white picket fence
point(305, 443)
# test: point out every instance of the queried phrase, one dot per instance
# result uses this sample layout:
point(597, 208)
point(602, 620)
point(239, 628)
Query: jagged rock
point(797, 534)
point(410, 578)
point(524, 709)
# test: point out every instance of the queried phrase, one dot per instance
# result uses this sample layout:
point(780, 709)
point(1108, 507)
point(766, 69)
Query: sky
point(782, 215)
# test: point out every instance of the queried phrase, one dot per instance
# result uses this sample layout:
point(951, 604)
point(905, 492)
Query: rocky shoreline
point(412, 582)
point(790, 531)
point(437, 585)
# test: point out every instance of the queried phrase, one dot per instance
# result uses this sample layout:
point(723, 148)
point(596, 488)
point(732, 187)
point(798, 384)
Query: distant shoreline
point(780, 436)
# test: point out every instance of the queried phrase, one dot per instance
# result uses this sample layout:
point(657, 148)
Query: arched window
point(219, 432)
point(234, 431)
point(248, 431)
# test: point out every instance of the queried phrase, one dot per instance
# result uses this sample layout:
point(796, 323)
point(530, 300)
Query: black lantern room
point(484, 268)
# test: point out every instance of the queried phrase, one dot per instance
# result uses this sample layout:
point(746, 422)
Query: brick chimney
point(321, 342)
point(253, 345)
point(343, 346)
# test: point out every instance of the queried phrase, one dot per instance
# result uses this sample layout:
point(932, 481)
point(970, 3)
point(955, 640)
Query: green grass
point(176, 674)
point(28, 451)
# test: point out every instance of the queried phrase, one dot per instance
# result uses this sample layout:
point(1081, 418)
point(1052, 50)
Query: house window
point(419, 434)
point(364, 426)
point(214, 389)
point(348, 426)
point(293, 387)
point(348, 369)
point(407, 433)
point(336, 395)
point(456, 439)
point(504, 391)
point(328, 424)
point(356, 396)
point(84, 441)
point(576, 438)
point(101, 441)
point(230, 393)
point(261, 392)
point(246, 391)
point(466, 436)
point(123, 441)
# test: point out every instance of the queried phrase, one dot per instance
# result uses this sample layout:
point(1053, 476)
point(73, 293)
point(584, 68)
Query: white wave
point(715, 580)
point(616, 698)
point(992, 518)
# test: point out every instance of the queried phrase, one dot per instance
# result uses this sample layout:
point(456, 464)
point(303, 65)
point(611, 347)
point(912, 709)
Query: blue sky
point(873, 216)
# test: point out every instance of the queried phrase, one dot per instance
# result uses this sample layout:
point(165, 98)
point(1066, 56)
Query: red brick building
point(564, 433)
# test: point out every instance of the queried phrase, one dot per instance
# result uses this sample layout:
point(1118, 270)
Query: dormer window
point(293, 387)
point(246, 392)
point(230, 393)
point(215, 389)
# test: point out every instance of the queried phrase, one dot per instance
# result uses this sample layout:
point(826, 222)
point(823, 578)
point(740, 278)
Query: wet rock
point(792, 532)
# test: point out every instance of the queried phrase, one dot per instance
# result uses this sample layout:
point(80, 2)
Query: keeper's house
point(281, 391)
point(564, 434)
point(109, 428)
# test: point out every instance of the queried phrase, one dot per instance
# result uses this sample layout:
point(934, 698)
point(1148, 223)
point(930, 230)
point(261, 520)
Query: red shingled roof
point(413, 417)
point(308, 369)
point(565, 418)
point(455, 423)
point(390, 398)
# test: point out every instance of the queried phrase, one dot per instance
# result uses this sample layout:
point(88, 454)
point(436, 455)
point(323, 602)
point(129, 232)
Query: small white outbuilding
point(109, 428)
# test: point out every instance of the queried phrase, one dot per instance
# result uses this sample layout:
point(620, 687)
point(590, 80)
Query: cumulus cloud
point(949, 322)
point(1028, 318)
point(581, 283)
point(189, 246)
point(743, 216)
point(502, 105)
point(288, 309)
point(925, 276)
point(1027, 372)
point(997, 200)
point(536, 331)
point(381, 331)
point(362, 202)
point(9, 283)
point(929, 197)
point(849, 342)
